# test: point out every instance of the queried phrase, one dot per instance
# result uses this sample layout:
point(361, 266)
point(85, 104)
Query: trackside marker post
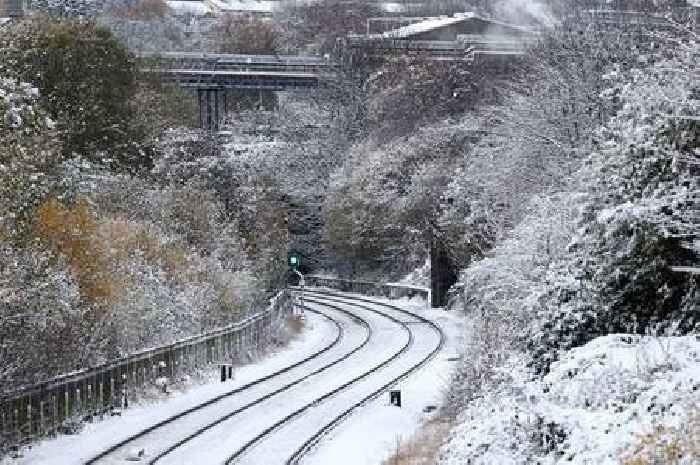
point(395, 397)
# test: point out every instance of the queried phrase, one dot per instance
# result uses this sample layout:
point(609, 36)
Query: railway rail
point(325, 302)
point(209, 426)
point(112, 449)
point(308, 445)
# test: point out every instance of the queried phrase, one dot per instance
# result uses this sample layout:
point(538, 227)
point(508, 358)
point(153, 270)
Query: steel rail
point(267, 431)
point(220, 420)
point(238, 390)
point(316, 438)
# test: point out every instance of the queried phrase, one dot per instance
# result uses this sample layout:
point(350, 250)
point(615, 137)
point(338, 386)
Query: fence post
point(90, 404)
point(78, 400)
point(100, 395)
point(3, 434)
point(111, 389)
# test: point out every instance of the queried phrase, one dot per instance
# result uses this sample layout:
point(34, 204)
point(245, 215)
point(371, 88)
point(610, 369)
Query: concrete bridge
point(11, 8)
point(463, 37)
point(212, 76)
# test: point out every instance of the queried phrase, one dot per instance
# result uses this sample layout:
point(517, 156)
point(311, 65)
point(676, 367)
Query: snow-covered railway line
point(362, 322)
point(117, 452)
point(313, 440)
point(306, 443)
point(280, 421)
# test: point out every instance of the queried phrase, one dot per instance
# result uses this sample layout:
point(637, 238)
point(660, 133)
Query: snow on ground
point(318, 333)
point(418, 277)
point(620, 397)
point(376, 426)
point(370, 435)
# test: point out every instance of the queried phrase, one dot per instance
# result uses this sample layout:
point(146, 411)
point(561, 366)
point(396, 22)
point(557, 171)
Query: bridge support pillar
point(210, 108)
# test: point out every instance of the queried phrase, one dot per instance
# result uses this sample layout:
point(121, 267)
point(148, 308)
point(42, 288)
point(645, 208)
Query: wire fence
point(61, 404)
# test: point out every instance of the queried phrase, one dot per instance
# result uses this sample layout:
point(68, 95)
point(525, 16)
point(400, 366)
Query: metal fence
point(55, 405)
point(391, 291)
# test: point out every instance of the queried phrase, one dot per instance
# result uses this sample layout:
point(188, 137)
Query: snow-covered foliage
point(559, 367)
point(28, 152)
point(95, 263)
point(41, 319)
point(70, 8)
point(618, 399)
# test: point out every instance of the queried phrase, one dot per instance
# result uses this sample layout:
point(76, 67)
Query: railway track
point(124, 443)
point(238, 453)
point(327, 300)
point(220, 420)
point(308, 445)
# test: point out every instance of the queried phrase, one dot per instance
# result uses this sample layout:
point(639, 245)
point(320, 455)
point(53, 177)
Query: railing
point(48, 408)
point(391, 291)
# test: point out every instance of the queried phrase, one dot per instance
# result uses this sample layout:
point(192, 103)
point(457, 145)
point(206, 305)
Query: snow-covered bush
point(92, 109)
point(584, 262)
point(643, 184)
point(597, 405)
point(28, 154)
point(502, 292)
point(44, 328)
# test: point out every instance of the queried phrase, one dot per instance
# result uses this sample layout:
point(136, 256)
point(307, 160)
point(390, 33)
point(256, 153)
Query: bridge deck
point(238, 79)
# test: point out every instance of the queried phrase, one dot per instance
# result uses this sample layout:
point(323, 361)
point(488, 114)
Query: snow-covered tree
point(29, 155)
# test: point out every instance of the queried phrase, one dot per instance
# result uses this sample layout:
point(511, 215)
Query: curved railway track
point(265, 433)
point(327, 300)
point(308, 445)
point(310, 442)
point(220, 420)
point(339, 336)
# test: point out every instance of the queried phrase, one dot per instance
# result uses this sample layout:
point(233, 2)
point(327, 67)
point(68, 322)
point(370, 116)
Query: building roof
point(422, 26)
point(195, 8)
point(244, 6)
point(432, 24)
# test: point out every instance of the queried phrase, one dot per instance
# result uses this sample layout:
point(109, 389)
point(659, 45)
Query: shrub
point(92, 108)
point(70, 232)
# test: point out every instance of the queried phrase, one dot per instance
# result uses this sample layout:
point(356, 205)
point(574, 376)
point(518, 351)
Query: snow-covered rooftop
point(440, 22)
point(246, 6)
point(184, 7)
point(426, 25)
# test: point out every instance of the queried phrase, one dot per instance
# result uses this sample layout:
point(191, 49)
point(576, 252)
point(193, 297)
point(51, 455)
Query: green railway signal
point(294, 260)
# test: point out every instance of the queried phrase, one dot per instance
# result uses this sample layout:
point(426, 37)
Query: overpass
point(11, 8)
point(212, 75)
